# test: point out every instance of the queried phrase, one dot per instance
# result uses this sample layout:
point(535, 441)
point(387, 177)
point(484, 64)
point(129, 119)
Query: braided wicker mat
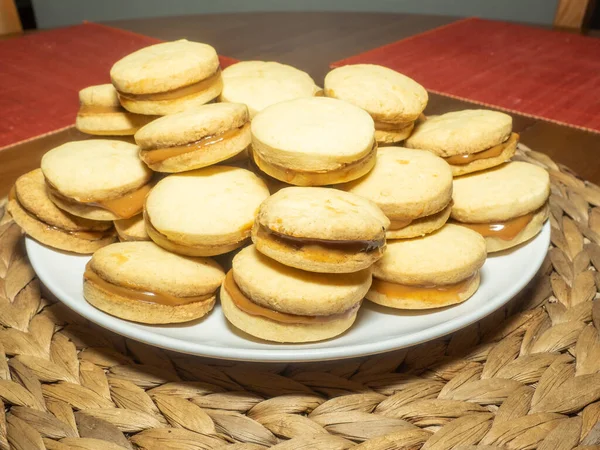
point(528, 376)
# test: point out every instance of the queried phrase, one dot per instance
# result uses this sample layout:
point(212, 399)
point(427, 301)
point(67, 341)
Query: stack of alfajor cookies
point(259, 169)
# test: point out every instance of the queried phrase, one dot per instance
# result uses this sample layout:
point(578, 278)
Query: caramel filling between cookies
point(364, 246)
point(174, 94)
point(161, 298)
point(506, 230)
point(389, 126)
point(434, 293)
point(287, 175)
point(86, 110)
point(159, 155)
point(126, 206)
point(241, 301)
point(492, 152)
point(399, 224)
point(88, 235)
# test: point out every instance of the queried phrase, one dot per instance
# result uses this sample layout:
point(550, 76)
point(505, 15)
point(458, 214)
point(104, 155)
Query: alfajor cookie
point(507, 205)
point(34, 212)
point(204, 212)
point(141, 282)
point(101, 113)
point(413, 188)
point(279, 303)
point(195, 138)
point(320, 230)
point(394, 100)
point(313, 141)
point(259, 84)
point(132, 229)
point(97, 179)
point(433, 271)
point(469, 140)
point(167, 78)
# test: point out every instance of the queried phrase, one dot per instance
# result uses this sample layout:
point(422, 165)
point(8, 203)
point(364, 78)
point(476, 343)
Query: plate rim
point(298, 354)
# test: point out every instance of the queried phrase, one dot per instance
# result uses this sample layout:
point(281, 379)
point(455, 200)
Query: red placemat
point(547, 74)
point(41, 74)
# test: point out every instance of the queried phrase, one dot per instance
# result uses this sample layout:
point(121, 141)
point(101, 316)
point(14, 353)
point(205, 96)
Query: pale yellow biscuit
point(461, 132)
point(421, 226)
point(305, 293)
point(204, 212)
point(394, 135)
point(437, 270)
point(405, 183)
point(315, 137)
point(195, 138)
point(320, 230)
point(85, 174)
point(142, 282)
point(133, 229)
point(100, 113)
point(501, 193)
point(259, 84)
point(33, 211)
point(271, 330)
point(145, 77)
point(385, 94)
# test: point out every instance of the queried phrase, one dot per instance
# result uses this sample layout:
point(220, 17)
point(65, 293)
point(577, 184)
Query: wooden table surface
point(310, 41)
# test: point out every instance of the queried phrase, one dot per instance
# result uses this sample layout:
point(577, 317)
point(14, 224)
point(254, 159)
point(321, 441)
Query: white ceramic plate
point(376, 330)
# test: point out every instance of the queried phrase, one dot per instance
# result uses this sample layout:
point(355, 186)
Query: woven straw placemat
point(525, 377)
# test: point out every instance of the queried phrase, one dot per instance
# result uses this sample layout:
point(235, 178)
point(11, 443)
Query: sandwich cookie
point(101, 113)
point(395, 101)
point(433, 271)
point(507, 205)
point(279, 303)
point(132, 229)
point(34, 212)
point(141, 282)
point(469, 140)
point(320, 230)
point(196, 138)
point(204, 212)
point(412, 187)
point(97, 179)
point(313, 141)
point(167, 78)
point(259, 84)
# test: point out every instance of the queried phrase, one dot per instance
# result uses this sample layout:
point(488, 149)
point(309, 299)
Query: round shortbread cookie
point(204, 212)
point(271, 330)
point(164, 67)
point(209, 134)
point(405, 183)
point(447, 256)
point(306, 293)
point(304, 228)
point(461, 132)
point(385, 94)
point(394, 136)
point(145, 267)
point(501, 193)
point(100, 113)
point(259, 84)
point(421, 226)
point(133, 229)
point(312, 136)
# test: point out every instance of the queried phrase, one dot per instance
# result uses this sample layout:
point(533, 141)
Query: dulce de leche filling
point(301, 243)
point(159, 155)
point(399, 224)
point(506, 230)
point(161, 298)
point(442, 293)
point(492, 152)
point(86, 110)
point(173, 94)
point(249, 307)
point(126, 206)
